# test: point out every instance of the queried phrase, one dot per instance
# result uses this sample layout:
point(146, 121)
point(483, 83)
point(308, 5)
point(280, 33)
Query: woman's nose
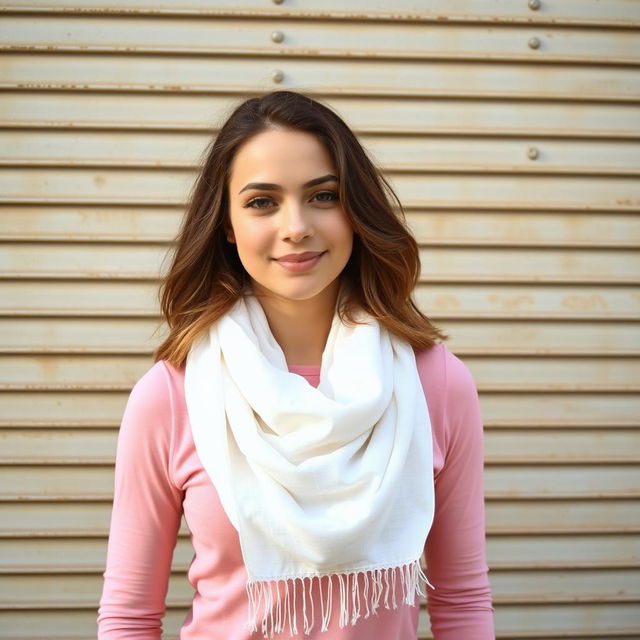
point(295, 223)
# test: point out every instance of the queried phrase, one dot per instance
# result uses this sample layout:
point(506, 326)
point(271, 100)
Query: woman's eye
point(322, 196)
point(251, 203)
point(332, 196)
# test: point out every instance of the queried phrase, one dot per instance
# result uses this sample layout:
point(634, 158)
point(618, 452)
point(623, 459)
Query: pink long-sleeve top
point(158, 477)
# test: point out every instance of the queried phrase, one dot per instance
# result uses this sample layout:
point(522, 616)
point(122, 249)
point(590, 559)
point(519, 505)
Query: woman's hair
point(206, 276)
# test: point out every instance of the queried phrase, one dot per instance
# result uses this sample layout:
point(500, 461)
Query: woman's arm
point(460, 605)
point(145, 519)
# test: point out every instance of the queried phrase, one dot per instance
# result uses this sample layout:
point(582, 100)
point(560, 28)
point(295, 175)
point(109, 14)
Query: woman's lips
point(301, 265)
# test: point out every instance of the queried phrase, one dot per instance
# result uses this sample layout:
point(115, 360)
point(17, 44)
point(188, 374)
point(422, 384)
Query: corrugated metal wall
point(511, 133)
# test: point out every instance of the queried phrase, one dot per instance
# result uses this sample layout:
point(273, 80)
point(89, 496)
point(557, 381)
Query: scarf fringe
point(279, 607)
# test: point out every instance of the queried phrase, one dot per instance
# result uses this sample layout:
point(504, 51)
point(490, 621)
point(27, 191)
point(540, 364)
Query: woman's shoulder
point(446, 379)
point(156, 388)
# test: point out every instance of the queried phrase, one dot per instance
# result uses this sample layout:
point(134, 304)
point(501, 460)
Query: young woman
point(302, 413)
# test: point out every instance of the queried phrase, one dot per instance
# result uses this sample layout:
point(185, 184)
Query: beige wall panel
point(141, 335)
point(566, 446)
point(622, 12)
point(70, 555)
point(74, 624)
point(194, 112)
point(555, 373)
point(314, 39)
point(592, 409)
point(57, 446)
point(108, 261)
point(82, 260)
point(98, 446)
point(586, 585)
point(558, 586)
point(431, 227)
point(544, 551)
point(87, 555)
point(557, 481)
point(568, 516)
point(118, 149)
point(58, 519)
point(530, 265)
point(69, 409)
point(35, 482)
point(95, 482)
point(68, 624)
point(510, 228)
point(149, 187)
point(113, 72)
point(528, 300)
point(86, 335)
point(90, 518)
point(433, 154)
point(37, 590)
point(522, 373)
point(124, 224)
point(580, 621)
point(33, 408)
point(444, 154)
point(88, 298)
point(440, 300)
point(82, 186)
point(517, 374)
point(533, 337)
point(517, 191)
point(72, 372)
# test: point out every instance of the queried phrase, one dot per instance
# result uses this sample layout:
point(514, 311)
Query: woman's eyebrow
point(269, 186)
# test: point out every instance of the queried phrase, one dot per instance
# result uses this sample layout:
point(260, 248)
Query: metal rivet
point(277, 36)
point(534, 43)
point(534, 5)
point(277, 75)
point(533, 153)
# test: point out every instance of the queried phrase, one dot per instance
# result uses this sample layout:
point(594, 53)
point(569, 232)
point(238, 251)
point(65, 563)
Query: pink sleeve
point(145, 519)
point(460, 606)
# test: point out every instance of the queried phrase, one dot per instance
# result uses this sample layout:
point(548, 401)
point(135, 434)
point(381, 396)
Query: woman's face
point(283, 201)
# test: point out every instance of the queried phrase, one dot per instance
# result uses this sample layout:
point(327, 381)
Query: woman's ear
point(228, 231)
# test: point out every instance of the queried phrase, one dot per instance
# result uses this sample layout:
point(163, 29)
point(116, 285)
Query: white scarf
point(319, 482)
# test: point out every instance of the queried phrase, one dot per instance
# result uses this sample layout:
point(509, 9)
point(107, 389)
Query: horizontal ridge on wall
point(88, 297)
point(617, 13)
point(86, 110)
point(220, 75)
point(316, 39)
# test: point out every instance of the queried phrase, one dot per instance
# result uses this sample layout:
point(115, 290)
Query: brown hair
point(206, 276)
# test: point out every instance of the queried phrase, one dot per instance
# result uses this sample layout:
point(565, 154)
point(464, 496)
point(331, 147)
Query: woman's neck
point(301, 327)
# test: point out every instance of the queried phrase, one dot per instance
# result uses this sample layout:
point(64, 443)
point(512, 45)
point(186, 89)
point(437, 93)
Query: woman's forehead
point(291, 157)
